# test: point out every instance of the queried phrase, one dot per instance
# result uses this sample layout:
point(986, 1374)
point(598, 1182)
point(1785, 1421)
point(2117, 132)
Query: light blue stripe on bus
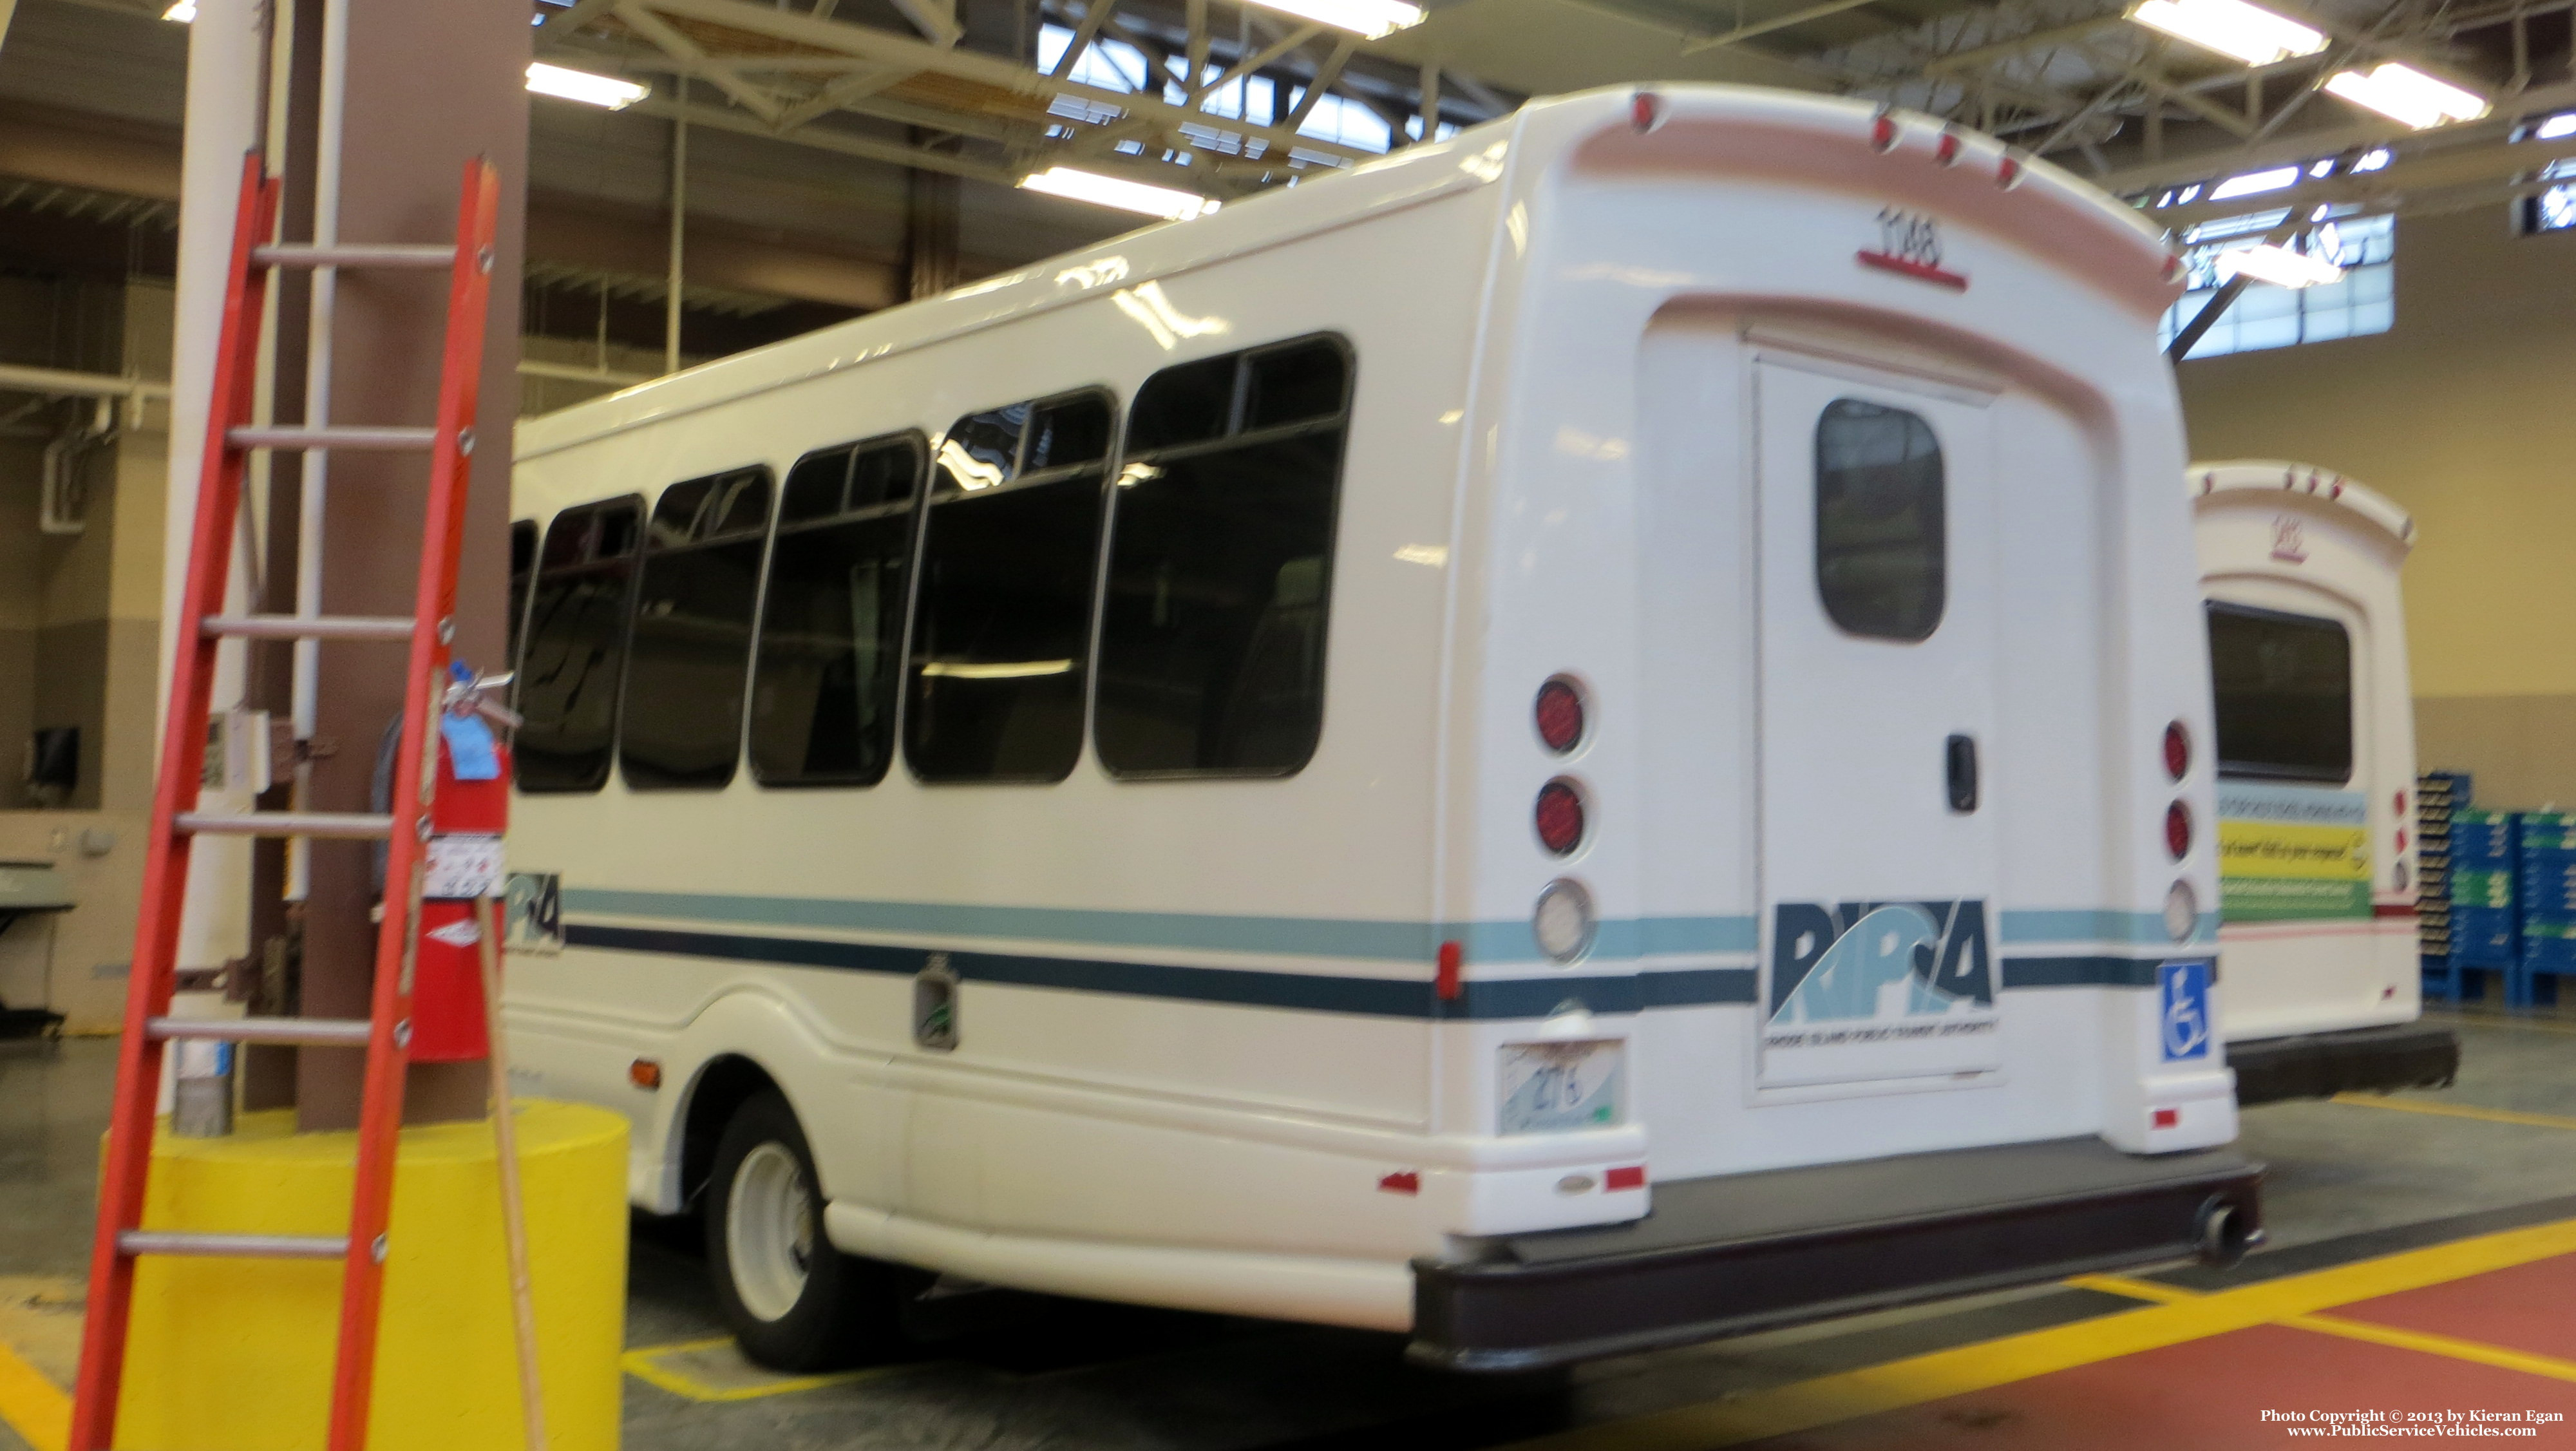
point(1506, 941)
point(2095, 925)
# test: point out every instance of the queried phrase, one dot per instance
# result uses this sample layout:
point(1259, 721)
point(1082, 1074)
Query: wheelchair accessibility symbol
point(2184, 992)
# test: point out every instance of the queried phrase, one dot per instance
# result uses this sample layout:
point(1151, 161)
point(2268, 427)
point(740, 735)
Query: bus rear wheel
point(794, 1302)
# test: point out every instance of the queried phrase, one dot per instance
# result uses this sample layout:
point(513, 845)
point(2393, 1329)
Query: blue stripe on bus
point(2090, 970)
point(1313, 992)
point(1488, 942)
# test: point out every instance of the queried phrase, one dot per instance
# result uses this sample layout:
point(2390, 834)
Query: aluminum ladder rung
point(315, 1032)
point(341, 437)
point(353, 254)
point(283, 823)
point(309, 627)
point(236, 1246)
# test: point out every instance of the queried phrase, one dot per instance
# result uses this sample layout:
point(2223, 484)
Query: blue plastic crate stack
point(2486, 930)
point(2546, 842)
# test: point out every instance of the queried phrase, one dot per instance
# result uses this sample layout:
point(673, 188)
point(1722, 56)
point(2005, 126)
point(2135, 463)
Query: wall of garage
point(2462, 414)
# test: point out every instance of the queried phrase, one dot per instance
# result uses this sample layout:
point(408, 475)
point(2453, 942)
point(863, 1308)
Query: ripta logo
point(1869, 960)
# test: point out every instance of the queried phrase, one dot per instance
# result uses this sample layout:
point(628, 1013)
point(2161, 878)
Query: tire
point(794, 1303)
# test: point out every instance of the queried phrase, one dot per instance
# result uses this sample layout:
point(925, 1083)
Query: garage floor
point(2423, 1263)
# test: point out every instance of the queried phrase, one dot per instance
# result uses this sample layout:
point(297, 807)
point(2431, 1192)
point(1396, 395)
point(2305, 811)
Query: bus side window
point(2283, 687)
point(1881, 549)
point(831, 621)
point(523, 573)
point(1220, 565)
point(681, 728)
point(574, 664)
point(1002, 626)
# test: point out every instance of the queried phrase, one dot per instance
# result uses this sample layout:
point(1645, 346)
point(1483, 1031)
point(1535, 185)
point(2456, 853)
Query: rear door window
point(1881, 547)
point(2283, 686)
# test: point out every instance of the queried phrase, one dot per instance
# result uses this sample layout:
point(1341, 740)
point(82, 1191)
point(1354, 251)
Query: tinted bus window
point(2284, 694)
point(1220, 565)
point(831, 619)
point(574, 664)
point(1881, 547)
point(1003, 622)
point(682, 723)
point(523, 573)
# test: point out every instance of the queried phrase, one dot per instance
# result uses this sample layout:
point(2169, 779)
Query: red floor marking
point(2524, 1307)
point(2203, 1395)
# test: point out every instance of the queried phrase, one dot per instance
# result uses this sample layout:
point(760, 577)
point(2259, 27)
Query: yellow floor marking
point(2457, 1110)
point(2451, 1346)
point(644, 1364)
point(1827, 1400)
point(32, 1405)
point(2444, 1345)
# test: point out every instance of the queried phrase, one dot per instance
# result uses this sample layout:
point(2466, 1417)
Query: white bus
point(1580, 738)
point(2316, 767)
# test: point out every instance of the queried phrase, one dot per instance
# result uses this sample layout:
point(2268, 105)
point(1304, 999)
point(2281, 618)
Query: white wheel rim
point(769, 1230)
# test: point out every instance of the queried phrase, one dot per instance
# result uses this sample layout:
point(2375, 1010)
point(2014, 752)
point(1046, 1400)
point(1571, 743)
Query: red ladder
point(230, 439)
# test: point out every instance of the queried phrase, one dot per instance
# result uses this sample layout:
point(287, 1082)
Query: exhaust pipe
point(2222, 1234)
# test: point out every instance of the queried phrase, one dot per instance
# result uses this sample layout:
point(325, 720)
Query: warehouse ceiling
point(810, 114)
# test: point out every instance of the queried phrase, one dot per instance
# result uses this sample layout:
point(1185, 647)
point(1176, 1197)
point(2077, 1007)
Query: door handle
point(1962, 761)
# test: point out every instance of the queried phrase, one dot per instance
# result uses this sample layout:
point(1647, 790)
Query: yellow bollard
point(235, 1355)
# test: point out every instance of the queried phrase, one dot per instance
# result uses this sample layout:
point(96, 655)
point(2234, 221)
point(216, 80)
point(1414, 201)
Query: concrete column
point(429, 88)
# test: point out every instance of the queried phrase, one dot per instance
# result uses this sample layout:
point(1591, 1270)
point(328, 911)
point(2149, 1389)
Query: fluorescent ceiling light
point(2402, 93)
point(2278, 265)
point(183, 11)
point(582, 86)
point(1116, 191)
point(2253, 182)
point(1370, 18)
point(2248, 33)
point(2562, 124)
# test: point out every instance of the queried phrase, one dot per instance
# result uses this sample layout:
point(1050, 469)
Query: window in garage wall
point(2363, 302)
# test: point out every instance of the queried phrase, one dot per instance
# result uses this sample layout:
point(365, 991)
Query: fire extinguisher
point(467, 814)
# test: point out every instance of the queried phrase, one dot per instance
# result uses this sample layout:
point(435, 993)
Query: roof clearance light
point(2248, 33)
point(1169, 203)
point(2177, 750)
point(582, 86)
point(2402, 93)
point(1371, 19)
point(2279, 266)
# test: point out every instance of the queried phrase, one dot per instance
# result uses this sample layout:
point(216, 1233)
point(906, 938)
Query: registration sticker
point(1554, 1088)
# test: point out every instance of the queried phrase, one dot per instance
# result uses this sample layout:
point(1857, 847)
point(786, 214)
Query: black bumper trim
point(1735, 1254)
point(2357, 1060)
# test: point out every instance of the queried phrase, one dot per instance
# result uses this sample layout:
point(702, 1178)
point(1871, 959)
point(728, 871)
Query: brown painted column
point(430, 87)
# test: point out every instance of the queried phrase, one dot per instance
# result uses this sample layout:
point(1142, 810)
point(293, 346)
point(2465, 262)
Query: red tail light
point(2178, 830)
point(2177, 750)
point(1560, 817)
point(1559, 711)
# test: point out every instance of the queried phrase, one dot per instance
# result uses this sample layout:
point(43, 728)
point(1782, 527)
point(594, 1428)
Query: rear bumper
point(1745, 1252)
point(2321, 1065)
